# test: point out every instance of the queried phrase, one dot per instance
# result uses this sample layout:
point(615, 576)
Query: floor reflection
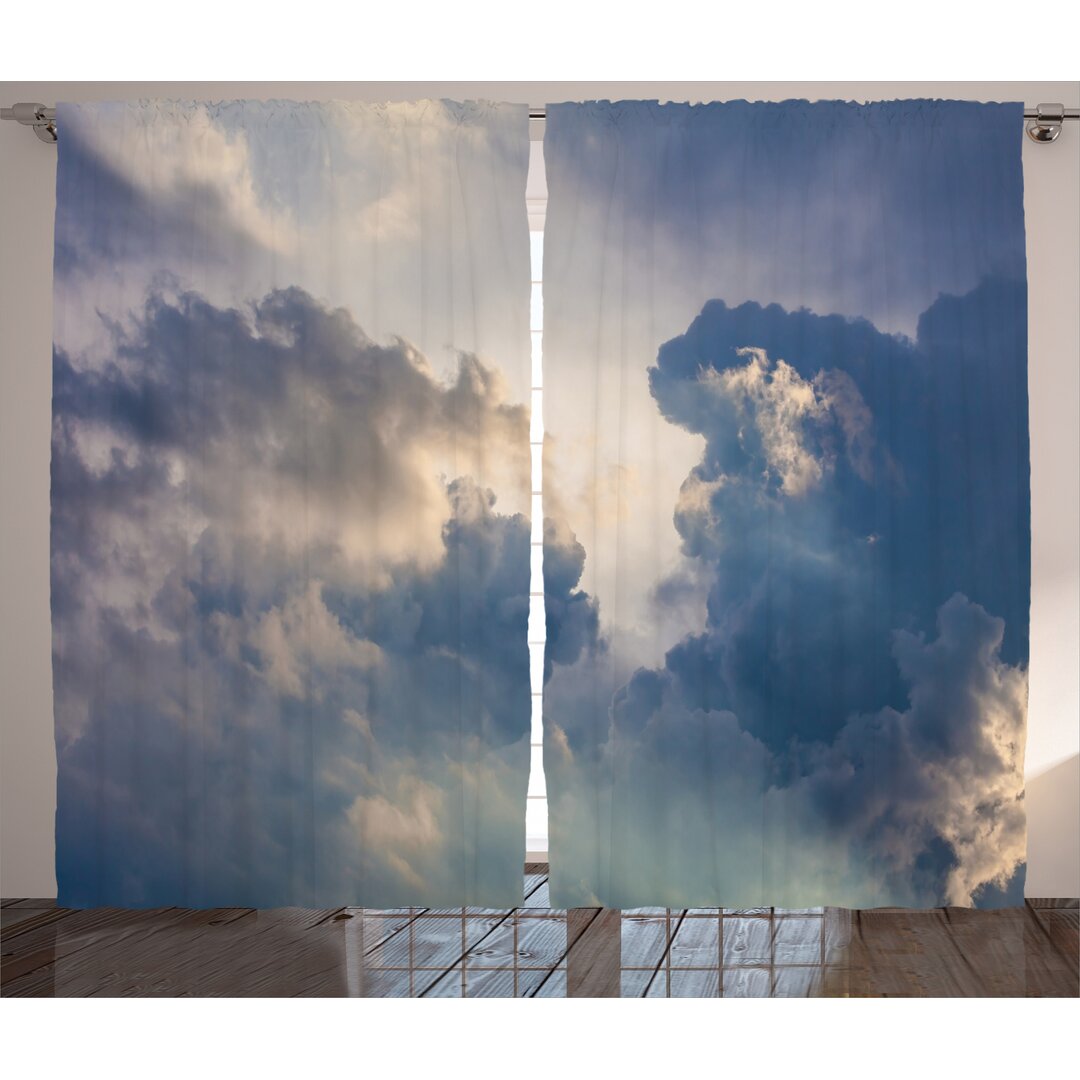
point(536, 951)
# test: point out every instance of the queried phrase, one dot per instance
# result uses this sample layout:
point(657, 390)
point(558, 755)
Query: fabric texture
point(786, 504)
point(290, 497)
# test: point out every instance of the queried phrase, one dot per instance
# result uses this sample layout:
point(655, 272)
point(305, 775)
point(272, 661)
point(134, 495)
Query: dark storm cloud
point(896, 444)
point(290, 398)
point(290, 647)
point(572, 618)
point(851, 482)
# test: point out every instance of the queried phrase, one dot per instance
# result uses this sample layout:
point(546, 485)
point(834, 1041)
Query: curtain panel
point(786, 504)
point(290, 497)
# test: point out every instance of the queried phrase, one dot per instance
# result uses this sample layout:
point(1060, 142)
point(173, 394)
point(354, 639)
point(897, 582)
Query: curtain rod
point(1044, 120)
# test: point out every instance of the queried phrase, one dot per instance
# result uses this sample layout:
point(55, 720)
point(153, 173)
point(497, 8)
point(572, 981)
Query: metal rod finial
point(1046, 125)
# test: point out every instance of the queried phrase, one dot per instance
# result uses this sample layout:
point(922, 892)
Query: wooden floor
point(535, 951)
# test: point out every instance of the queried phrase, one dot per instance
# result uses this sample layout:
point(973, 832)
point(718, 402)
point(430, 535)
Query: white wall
point(27, 203)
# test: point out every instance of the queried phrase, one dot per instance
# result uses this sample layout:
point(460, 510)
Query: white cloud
point(358, 722)
point(702, 814)
point(186, 156)
point(409, 823)
point(773, 399)
point(301, 637)
point(950, 766)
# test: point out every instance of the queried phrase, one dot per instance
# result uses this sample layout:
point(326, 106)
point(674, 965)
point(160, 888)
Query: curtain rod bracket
point(33, 114)
point(1046, 125)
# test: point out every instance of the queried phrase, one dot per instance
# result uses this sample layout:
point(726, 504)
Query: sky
point(290, 543)
point(786, 504)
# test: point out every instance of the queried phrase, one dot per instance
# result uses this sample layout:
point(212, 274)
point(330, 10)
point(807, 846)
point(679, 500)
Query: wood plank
point(541, 942)
point(1050, 952)
point(472, 932)
point(30, 948)
point(94, 951)
point(367, 932)
point(538, 897)
point(487, 984)
point(799, 982)
point(12, 917)
point(798, 940)
point(837, 929)
point(746, 982)
point(690, 984)
point(378, 983)
point(17, 920)
point(241, 963)
point(496, 949)
point(696, 943)
point(881, 952)
point(535, 887)
point(450, 984)
point(47, 950)
point(594, 956)
point(991, 943)
point(1062, 926)
point(470, 983)
point(952, 952)
point(524, 941)
point(746, 941)
point(644, 941)
point(632, 983)
point(553, 985)
point(294, 918)
point(238, 952)
point(431, 941)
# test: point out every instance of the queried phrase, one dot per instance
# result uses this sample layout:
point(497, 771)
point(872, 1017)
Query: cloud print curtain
point(290, 546)
point(786, 504)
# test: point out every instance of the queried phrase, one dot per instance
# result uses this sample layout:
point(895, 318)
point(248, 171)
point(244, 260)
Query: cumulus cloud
point(401, 827)
point(774, 405)
point(286, 426)
point(302, 636)
point(950, 766)
point(290, 596)
point(848, 726)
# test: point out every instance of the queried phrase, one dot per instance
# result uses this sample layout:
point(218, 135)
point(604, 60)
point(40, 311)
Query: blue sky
point(790, 634)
